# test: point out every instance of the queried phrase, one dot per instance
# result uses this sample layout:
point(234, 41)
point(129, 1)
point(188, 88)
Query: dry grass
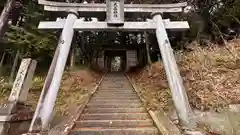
point(153, 87)
point(211, 76)
point(75, 86)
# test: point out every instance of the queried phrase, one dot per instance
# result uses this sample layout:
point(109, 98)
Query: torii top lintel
point(128, 8)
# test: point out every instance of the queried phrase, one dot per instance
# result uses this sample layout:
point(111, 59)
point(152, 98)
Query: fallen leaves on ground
point(76, 85)
point(211, 77)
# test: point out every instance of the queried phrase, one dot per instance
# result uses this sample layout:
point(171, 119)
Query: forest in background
point(208, 63)
point(210, 21)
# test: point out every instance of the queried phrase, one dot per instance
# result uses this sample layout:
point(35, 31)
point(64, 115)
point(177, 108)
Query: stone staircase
point(114, 109)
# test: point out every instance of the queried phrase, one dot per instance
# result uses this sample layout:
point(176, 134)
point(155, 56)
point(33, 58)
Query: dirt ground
point(211, 76)
point(74, 86)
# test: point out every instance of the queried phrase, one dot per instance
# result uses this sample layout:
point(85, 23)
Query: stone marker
point(14, 109)
point(23, 81)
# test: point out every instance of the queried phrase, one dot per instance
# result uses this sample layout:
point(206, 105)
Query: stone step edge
point(114, 129)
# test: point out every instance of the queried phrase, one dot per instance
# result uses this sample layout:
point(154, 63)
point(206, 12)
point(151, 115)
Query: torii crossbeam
point(103, 26)
point(115, 21)
point(102, 8)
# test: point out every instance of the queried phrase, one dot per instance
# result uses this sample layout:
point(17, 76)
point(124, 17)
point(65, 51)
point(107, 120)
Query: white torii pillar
point(49, 94)
point(179, 95)
point(64, 47)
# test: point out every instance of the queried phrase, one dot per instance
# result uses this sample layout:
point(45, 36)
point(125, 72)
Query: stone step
point(114, 101)
point(100, 94)
point(117, 91)
point(115, 131)
point(114, 98)
point(112, 105)
point(115, 116)
point(112, 91)
point(117, 98)
point(125, 88)
point(116, 87)
point(114, 110)
point(114, 123)
point(113, 87)
point(114, 94)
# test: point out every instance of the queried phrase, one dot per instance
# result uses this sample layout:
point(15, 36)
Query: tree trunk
point(147, 48)
point(72, 58)
point(1, 63)
point(4, 16)
point(14, 66)
point(73, 52)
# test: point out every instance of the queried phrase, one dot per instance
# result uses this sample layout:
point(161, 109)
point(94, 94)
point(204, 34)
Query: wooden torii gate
point(114, 10)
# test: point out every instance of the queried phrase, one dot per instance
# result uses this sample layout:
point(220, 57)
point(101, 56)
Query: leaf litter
point(211, 76)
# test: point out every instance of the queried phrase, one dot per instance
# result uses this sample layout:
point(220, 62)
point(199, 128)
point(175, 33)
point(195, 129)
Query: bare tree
point(5, 15)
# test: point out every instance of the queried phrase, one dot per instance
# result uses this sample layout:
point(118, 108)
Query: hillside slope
point(211, 77)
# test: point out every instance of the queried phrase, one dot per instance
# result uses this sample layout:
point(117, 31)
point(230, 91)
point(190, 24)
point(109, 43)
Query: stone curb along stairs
point(162, 122)
point(65, 127)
